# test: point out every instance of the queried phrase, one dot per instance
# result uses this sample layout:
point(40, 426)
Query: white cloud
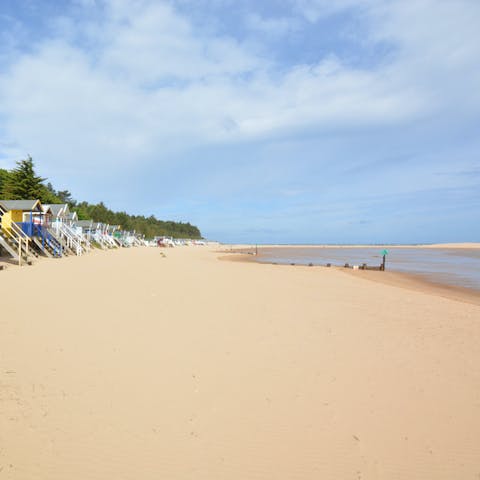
point(149, 84)
point(438, 47)
point(156, 44)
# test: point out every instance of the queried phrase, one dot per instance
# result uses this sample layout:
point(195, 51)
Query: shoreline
point(409, 281)
point(460, 245)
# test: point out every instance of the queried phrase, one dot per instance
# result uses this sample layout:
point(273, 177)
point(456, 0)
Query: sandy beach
point(129, 365)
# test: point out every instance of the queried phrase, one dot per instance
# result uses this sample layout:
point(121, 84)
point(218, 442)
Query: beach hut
point(85, 227)
point(72, 217)
point(100, 233)
point(33, 220)
point(19, 211)
point(114, 235)
point(60, 226)
point(13, 239)
point(59, 211)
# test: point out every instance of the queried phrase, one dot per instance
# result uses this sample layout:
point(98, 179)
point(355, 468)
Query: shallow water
point(451, 266)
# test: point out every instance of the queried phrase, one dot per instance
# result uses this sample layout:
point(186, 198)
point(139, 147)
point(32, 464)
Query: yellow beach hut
point(32, 220)
point(19, 211)
point(12, 237)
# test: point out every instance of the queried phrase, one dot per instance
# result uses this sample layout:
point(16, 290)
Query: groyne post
point(384, 253)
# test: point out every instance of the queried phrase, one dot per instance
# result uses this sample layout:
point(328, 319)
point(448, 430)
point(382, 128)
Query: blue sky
point(273, 122)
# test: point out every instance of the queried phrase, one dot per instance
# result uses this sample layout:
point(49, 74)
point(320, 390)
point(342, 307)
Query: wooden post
point(256, 250)
point(19, 251)
point(383, 263)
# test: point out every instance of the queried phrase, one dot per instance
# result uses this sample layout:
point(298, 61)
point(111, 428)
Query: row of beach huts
point(29, 229)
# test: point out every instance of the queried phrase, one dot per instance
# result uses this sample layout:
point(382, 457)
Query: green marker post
point(384, 253)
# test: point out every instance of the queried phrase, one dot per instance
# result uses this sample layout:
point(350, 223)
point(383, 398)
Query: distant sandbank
point(473, 245)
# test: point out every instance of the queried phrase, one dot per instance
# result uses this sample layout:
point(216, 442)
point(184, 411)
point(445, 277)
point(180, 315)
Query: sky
point(274, 121)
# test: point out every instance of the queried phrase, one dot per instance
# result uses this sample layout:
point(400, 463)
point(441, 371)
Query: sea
point(450, 266)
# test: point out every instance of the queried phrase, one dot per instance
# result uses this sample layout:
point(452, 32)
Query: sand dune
point(127, 365)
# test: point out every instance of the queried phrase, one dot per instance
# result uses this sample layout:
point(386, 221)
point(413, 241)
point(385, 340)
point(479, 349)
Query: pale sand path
point(126, 365)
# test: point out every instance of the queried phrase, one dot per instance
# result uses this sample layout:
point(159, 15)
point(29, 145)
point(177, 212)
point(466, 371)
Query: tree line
point(22, 183)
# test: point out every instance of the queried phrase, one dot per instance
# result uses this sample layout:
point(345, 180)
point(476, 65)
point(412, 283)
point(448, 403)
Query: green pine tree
point(22, 183)
point(4, 174)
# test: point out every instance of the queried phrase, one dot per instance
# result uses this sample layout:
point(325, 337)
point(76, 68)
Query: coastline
point(418, 283)
point(168, 363)
point(462, 245)
point(409, 281)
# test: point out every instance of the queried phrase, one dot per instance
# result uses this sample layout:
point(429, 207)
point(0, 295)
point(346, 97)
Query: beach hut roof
point(23, 205)
point(58, 209)
point(84, 223)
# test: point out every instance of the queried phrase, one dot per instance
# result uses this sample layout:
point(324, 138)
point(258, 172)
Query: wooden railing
point(20, 239)
point(74, 241)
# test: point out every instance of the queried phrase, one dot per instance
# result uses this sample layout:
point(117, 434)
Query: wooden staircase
point(67, 248)
point(46, 243)
point(73, 242)
point(15, 242)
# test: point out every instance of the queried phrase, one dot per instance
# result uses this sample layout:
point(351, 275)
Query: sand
point(128, 365)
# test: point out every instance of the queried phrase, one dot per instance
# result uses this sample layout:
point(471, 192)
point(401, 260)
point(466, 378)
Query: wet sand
point(454, 271)
point(128, 365)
